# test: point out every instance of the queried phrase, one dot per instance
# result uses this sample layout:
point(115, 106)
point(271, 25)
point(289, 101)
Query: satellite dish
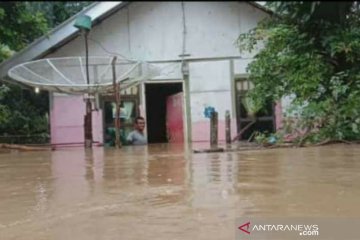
point(67, 74)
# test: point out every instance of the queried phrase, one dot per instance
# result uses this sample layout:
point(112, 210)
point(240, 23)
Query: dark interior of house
point(266, 126)
point(156, 94)
point(264, 123)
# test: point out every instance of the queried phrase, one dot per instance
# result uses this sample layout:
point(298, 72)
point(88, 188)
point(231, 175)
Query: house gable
point(152, 31)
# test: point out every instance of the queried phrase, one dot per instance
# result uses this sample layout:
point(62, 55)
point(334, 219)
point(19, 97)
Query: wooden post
point(88, 124)
point(117, 102)
point(88, 114)
point(227, 127)
point(214, 130)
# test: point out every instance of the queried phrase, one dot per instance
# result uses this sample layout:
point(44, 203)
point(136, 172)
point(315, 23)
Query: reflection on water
point(165, 192)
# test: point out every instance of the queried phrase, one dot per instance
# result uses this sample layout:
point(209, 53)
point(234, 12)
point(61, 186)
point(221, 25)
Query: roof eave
point(261, 7)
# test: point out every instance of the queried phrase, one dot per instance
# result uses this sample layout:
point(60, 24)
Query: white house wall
point(240, 66)
point(210, 85)
point(153, 31)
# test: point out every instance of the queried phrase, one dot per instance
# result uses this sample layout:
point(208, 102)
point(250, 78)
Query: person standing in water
point(137, 137)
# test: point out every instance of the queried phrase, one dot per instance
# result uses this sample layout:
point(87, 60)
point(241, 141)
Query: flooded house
point(194, 45)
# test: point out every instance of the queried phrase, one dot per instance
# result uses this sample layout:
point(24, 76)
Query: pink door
point(174, 118)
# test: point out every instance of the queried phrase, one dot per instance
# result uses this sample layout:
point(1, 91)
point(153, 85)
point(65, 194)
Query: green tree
point(57, 12)
point(22, 112)
point(311, 51)
point(18, 27)
point(23, 22)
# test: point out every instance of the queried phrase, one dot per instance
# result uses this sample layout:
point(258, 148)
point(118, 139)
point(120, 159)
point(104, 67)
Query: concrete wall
point(152, 31)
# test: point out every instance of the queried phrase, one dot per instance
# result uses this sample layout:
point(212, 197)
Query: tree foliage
point(23, 22)
point(18, 27)
point(57, 12)
point(22, 112)
point(311, 51)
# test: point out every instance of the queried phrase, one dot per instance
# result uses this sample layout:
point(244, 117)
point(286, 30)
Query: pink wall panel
point(201, 130)
point(67, 121)
point(174, 118)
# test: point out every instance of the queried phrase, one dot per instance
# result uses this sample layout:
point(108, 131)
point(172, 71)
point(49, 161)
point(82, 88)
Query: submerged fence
point(42, 138)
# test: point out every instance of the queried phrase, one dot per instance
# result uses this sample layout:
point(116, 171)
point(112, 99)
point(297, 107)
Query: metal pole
point(117, 100)
point(88, 117)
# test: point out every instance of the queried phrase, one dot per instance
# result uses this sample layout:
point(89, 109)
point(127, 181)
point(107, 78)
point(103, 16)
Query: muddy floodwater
point(165, 192)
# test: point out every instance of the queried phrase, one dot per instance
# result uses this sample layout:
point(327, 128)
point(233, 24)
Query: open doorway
point(164, 112)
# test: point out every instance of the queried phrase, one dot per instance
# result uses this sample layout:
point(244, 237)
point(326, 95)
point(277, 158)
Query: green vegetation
point(22, 112)
point(311, 51)
point(56, 12)
point(252, 106)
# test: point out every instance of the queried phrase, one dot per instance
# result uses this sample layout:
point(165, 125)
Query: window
point(129, 102)
point(264, 118)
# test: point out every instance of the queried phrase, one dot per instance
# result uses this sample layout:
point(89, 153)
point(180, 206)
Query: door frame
point(184, 108)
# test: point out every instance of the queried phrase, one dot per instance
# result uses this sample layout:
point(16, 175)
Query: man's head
point(139, 124)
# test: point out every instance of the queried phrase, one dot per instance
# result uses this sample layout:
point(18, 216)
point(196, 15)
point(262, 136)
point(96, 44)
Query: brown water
point(165, 192)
